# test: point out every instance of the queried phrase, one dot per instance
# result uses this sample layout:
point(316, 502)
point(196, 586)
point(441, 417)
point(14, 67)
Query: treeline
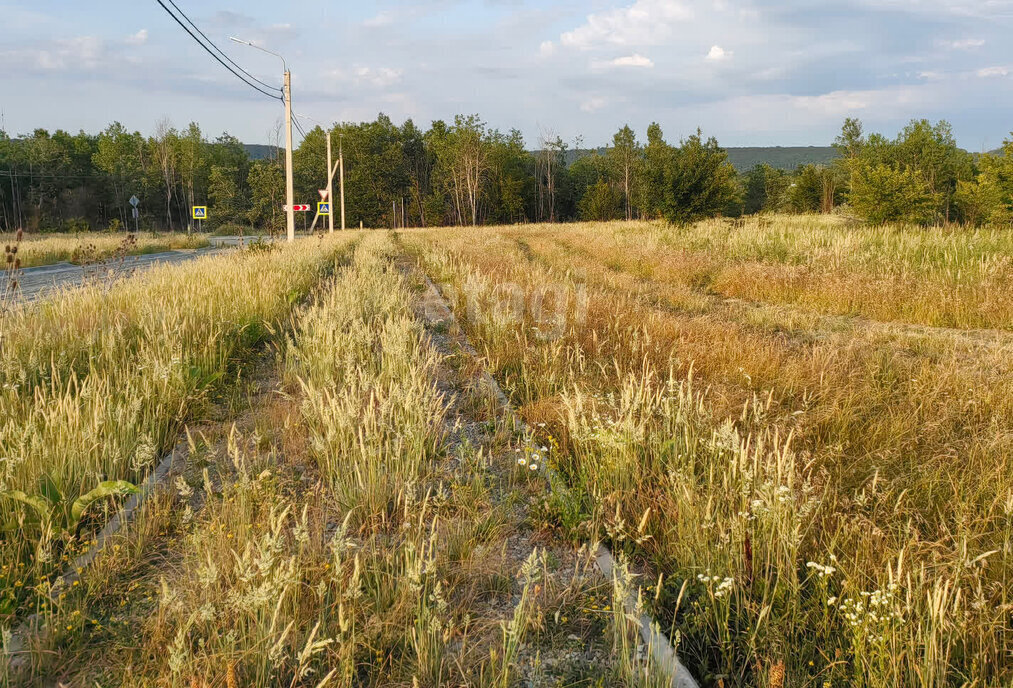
point(466, 173)
point(61, 181)
point(921, 176)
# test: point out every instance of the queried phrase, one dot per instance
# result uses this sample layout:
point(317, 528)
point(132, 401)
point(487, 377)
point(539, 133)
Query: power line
point(219, 50)
point(295, 120)
point(209, 52)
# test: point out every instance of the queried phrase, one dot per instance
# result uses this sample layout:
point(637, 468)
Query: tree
point(164, 151)
point(766, 189)
point(470, 158)
point(511, 188)
point(933, 152)
point(118, 155)
point(601, 202)
point(223, 190)
point(699, 181)
point(813, 190)
point(625, 156)
point(850, 144)
point(988, 199)
point(266, 194)
point(551, 159)
point(884, 193)
point(189, 161)
point(652, 184)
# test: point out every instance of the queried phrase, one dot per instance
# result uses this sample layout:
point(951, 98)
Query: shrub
point(884, 193)
point(699, 181)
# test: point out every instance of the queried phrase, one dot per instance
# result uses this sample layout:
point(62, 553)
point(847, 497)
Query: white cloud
point(645, 22)
point(365, 76)
point(786, 115)
point(82, 53)
point(384, 18)
point(636, 60)
point(964, 8)
point(964, 44)
point(139, 38)
point(930, 76)
point(718, 53)
point(381, 77)
point(546, 49)
point(992, 72)
point(593, 104)
point(881, 102)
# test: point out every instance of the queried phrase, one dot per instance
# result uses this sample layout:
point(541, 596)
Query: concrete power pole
point(330, 185)
point(287, 94)
point(341, 163)
point(289, 183)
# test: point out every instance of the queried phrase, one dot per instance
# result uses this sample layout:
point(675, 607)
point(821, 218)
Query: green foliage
point(883, 193)
point(50, 508)
point(624, 160)
point(765, 189)
point(922, 149)
point(267, 195)
point(698, 181)
point(988, 199)
point(601, 202)
point(467, 173)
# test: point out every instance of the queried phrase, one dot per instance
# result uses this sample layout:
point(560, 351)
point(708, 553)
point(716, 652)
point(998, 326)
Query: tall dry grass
point(95, 383)
point(832, 494)
point(38, 250)
point(946, 277)
point(350, 540)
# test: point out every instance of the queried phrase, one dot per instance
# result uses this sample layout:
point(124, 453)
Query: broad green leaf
point(49, 490)
point(39, 504)
point(110, 488)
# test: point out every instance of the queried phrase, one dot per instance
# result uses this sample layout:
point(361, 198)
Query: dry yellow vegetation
point(792, 416)
point(36, 250)
point(797, 429)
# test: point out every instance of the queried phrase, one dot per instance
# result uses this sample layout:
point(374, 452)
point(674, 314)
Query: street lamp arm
point(262, 49)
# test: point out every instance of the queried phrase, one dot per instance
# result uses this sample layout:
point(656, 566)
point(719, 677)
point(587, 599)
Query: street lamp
point(289, 184)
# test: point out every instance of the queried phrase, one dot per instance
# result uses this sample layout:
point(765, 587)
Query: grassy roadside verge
point(90, 248)
point(95, 384)
point(366, 524)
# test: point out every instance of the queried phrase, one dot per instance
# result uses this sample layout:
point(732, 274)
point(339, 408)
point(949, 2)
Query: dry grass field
point(794, 431)
point(802, 428)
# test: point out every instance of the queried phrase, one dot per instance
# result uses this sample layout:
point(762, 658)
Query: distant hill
point(260, 151)
point(744, 159)
point(782, 158)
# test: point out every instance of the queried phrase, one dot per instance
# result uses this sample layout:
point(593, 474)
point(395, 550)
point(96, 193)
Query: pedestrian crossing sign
point(200, 212)
point(323, 208)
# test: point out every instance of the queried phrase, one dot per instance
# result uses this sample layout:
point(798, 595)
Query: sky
point(750, 72)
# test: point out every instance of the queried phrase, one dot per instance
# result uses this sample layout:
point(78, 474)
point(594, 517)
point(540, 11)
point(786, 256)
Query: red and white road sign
point(323, 194)
point(298, 208)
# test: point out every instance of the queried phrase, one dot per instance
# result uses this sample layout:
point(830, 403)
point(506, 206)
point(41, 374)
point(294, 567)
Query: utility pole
point(341, 163)
point(287, 93)
point(289, 183)
point(332, 170)
point(330, 185)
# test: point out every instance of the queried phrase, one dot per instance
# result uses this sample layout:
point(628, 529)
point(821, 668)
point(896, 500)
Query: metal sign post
point(134, 201)
point(200, 213)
